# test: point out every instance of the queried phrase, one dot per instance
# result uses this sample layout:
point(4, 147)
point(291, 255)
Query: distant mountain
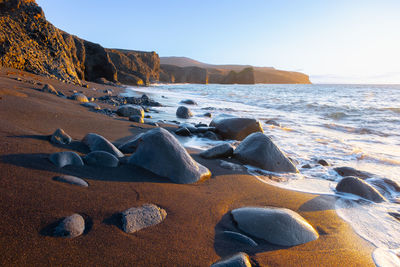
point(187, 70)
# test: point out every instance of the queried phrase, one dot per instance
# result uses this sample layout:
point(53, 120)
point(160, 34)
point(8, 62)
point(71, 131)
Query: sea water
point(346, 125)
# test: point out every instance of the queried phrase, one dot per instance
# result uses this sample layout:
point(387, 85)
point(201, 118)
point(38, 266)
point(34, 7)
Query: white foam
point(386, 257)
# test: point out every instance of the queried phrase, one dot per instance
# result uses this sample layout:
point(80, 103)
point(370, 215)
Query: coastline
point(31, 200)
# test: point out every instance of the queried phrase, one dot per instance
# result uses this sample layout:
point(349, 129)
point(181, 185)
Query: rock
point(306, 166)
point(323, 162)
point(61, 159)
point(272, 122)
point(135, 219)
point(48, 88)
point(97, 142)
point(348, 171)
point(80, 97)
point(221, 151)
point(147, 116)
point(136, 118)
point(130, 110)
point(92, 106)
point(240, 237)
point(71, 226)
point(60, 137)
point(259, 150)
point(71, 180)
point(161, 153)
point(211, 135)
point(278, 226)
point(183, 132)
point(130, 146)
point(235, 128)
point(101, 158)
point(188, 102)
point(238, 260)
point(231, 166)
point(356, 186)
point(189, 126)
point(207, 114)
point(203, 129)
point(183, 112)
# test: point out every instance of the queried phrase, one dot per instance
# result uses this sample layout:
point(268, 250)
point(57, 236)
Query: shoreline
point(31, 200)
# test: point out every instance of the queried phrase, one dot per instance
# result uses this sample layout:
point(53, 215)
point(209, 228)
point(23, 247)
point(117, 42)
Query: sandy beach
point(31, 201)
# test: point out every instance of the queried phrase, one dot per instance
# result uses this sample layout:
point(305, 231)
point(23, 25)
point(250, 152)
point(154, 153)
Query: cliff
point(29, 42)
point(229, 74)
point(175, 74)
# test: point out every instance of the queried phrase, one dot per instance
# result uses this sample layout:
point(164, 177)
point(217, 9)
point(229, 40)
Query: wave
point(349, 129)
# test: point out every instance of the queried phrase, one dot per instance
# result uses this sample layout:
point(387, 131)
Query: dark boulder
point(259, 150)
point(97, 142)
point(130, 110)
point(235, 128)
point(183, 112)
point(276, 225)
point(323, 162)
point(220, 151)
point(188, 102)
point(183, 132)
point(136, 118)
point(161, 153)
point(348, 171)
point(356, 186)
point(101, 158)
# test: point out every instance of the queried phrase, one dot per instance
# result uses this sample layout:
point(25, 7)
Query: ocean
point(346, 125)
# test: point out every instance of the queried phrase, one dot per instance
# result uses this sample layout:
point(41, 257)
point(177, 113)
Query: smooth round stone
point(323, 162)
point(130, 110)
point(234, 128)
point(189, 102)
point(161, 153)
point(238, 260)
point(258, 150)
point(220, 151)
point(137, 218)
point(70, 227)
point(61, 159)
point(101, 158)
point(278, 226)
point(183, 132)
point(136, 118)
point(80, 97)
point(240, 237)
point(348, 171)
point(71, 180)
point(97, 142)
point(356, 186)
point(183, 112)
point(60, 137)
point(207, 114)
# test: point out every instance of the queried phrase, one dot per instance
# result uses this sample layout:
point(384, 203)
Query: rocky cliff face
point(175, 74)
point(29, 42)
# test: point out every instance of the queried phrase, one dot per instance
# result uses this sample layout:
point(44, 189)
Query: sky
point(340, 41)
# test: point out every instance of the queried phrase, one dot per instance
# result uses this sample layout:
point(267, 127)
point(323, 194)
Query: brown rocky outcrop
point(29, 42)
point(175, 74)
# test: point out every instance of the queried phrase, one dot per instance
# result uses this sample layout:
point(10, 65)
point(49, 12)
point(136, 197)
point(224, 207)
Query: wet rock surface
point(183, 112)
point(278, 226)
point(348, 171)
point(235, 128)
point(356, 186)
point(161, 153)
point(259, 150)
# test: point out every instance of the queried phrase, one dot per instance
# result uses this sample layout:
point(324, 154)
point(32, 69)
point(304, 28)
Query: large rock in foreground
point(71, 226)
point(135, 219)
point(235, 128)
point(238, 260)
point(356, 186)
point(259, 150)
point(276, 225)
point(161, 153)
point(97, 142)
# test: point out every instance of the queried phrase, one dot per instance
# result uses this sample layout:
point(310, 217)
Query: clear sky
point(334, 41)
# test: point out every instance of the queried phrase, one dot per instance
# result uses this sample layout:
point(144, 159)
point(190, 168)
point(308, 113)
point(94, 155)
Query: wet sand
point(30, 200)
